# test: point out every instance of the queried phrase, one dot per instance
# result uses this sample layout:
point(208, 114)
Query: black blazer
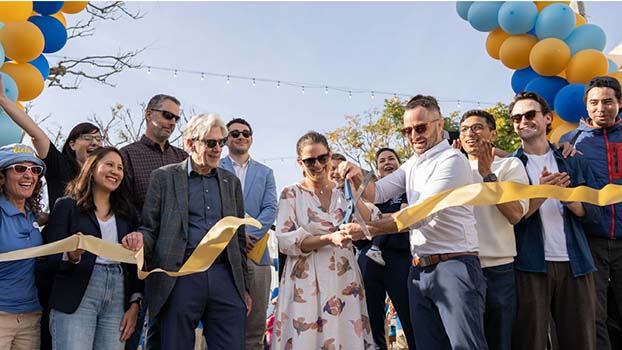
point(71, 280)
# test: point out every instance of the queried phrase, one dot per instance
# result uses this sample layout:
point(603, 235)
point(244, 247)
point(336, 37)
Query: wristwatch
point(490, 178)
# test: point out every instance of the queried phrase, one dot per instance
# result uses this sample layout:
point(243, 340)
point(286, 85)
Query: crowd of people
point(526, 274)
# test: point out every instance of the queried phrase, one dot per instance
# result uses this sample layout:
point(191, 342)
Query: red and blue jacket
point(602, 149)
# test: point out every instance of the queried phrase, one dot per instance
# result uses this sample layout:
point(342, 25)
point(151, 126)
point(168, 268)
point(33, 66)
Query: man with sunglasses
point(446, 284)
point(151, 152)
point(184, 201)
point(599, 138)
point(554, 266)
point(258, 185)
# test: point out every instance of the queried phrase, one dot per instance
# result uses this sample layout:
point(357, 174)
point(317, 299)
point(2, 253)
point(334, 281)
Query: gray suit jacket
point(165, 229)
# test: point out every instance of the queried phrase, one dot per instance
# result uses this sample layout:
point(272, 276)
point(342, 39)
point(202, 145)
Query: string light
point(148, 70)
point(350, 94)
point(458, 105)
point(228, 80)
point(303, 89)
point(175, 74)
point(254, 82)
point(202, 76)
point(278, 84)
point(325, 89)
point(372, 95)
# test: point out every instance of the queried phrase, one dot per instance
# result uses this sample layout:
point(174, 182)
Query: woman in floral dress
point(321, 301)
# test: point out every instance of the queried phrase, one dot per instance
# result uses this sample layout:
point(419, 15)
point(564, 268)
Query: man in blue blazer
point(259, 187)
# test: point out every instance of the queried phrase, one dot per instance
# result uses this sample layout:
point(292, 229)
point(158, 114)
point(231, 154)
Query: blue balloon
point(462, 7)
point(517, 17)
point(47, 7)
point(41, 63)
point(11, 133)
point(522, 77)
point(547, 87)
point(587, 36)
point(555, 21)
point(2, 56)
point(10, 87)
point(569, 103)
point(613, 66)
point(54, 32)
point(483, 15)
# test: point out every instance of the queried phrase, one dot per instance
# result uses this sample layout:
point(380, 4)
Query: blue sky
point(410, 47)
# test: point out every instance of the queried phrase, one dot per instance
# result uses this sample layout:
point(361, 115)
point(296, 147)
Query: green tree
point(507, 139)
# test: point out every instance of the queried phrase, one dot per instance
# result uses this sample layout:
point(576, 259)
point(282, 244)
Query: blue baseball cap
point(17, 153)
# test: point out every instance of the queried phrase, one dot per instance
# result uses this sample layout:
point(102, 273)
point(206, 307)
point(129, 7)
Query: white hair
point(201, 124)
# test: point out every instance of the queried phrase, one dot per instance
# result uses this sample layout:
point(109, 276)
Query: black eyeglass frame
point(166, 114)
point(322, 159)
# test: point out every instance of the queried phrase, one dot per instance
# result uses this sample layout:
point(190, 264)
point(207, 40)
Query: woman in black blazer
point(94, 301)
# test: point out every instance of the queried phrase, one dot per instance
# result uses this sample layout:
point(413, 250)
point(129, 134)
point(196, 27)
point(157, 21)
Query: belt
point(429, 260)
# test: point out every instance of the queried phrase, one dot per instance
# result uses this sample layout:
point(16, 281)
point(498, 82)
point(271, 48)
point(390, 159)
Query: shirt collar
point(192, 172)
point(8, 207)
point(240, 165)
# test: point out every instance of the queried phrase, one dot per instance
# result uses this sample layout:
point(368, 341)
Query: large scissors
point(352, 214)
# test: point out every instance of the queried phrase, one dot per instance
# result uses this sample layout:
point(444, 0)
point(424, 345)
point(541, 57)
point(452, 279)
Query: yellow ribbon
point(502, 192)
point(260, 246)
point(212, 244)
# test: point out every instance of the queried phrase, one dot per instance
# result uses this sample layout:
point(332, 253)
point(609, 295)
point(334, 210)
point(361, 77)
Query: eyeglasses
point(167, 115)
point(213, 143)
point(323, 159)
point(475, 128)
point(419, 129)
point(91, 138)
point(21, 168)
point(236, 133)
point(529, 115)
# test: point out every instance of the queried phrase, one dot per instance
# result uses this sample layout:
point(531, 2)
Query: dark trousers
point(500, 306)
point(607, 255)
point(210, 297)
point(570, 300)
point(447, 304)
point(391, 279)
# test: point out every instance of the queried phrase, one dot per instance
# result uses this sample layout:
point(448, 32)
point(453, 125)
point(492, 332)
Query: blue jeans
point(447, 304)
point(500, 306)
point(95, 324)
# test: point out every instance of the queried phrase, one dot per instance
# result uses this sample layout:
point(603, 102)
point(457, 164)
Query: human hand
point(249, 303)
point(456, 144)
point(250, 242)
point(132, 241)
point(485, 157)
point(555, 179)
point(128, 322)
point(567, 149)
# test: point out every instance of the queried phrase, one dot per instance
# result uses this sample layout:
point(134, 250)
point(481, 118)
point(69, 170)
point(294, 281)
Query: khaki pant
point(20, 331)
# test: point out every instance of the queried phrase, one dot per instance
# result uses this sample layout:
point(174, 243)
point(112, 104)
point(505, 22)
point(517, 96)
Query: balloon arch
point(553, 50)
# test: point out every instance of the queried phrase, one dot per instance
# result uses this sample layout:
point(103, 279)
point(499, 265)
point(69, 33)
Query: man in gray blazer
point(183, 202)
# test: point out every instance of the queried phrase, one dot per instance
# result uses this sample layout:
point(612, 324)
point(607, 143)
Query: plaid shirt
point(141, 158)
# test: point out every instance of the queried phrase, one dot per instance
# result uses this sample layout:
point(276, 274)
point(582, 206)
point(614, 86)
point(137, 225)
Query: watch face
point(490, 178)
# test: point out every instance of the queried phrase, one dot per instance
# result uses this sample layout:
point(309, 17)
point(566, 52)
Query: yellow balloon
point(20, 106)
point(549, 57)
point(22, 41)
point(561, 130)
point(494, 41)
point(28, 79)
point(585, 65)
point(59, 16)
point(542, 4)
point(15, 11)
point(562, 74)
point(557, 121)
point(514, 52)
point(580, 20)
point(617, 75)
point(71, 7)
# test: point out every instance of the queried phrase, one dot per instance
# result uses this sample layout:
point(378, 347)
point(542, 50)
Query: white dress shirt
point(440, 168)
point(240, 170)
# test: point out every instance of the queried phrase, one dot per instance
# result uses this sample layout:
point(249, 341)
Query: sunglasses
point(419, 129)
point(529, 115)
point(236, 133)
point(167, 115)
point(91, 138)
point(213, 143)
point(20, 168)
point(323, 159)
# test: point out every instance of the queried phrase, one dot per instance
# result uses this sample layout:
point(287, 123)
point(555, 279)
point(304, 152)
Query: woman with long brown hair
point(94, 300)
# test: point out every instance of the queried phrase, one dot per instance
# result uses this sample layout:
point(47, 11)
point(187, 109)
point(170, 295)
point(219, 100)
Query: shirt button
point(208, 208)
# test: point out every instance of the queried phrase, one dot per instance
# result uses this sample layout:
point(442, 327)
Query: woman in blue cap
point(20, 195)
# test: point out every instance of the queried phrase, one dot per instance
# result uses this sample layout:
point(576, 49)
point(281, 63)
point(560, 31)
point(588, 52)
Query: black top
point(398, 241)
point(58, 174)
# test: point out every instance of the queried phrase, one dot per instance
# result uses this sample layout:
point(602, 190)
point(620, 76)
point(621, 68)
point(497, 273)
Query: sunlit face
point(334, 172)
point(602, 106)
point(240, 144)
point(473, 130)
point(530, 129)
point(317, 171)
point(20, 186)
point(203, 156)
point(108, 172)
point(387, 163)
point(421, 118)
point(85, 144)
point(158, 126)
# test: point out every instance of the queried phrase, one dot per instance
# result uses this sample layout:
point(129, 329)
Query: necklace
point(319, 190)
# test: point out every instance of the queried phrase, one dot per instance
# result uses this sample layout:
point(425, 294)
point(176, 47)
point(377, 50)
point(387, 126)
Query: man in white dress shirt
point(446, 283)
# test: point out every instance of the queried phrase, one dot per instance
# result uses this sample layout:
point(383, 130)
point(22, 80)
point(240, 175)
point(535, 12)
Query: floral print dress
point(321, 304)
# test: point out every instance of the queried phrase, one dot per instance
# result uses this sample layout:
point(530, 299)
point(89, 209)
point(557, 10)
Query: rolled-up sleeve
point(288, 233)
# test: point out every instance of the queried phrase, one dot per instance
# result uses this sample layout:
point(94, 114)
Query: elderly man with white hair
point(184, 200)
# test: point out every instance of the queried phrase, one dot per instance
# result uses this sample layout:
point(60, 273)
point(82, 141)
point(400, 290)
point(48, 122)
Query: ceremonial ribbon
point(212, 244)
point(492, 193)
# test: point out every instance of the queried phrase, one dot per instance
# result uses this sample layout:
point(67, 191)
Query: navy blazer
point(71, 280)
